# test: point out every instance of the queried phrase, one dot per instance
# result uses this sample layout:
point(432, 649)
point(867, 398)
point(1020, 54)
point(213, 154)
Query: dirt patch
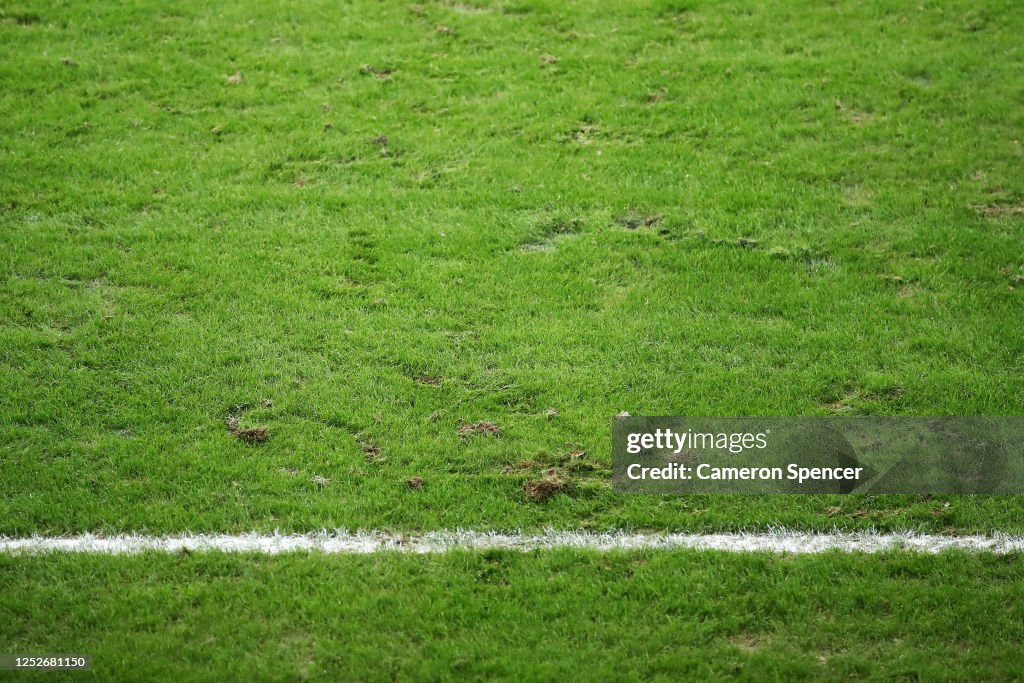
point(539, 490)
point(586, 133)
point(749, 643)
point(235, 78)
point(836, 510)
point(415, 483)
point(1000, 210)
point(855, 115)
point(1015, 279)
point(657, 95)
point(631, 220)
point(852, 400)
point(252, 434)
point(431, 380)
point(481, 427)
point(320, 482)
point(543, 247)
point(233, 423)
point(371, 451)
point(67, 61)
point(379, 72)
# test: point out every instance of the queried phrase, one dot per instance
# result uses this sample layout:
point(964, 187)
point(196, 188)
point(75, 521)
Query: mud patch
point(539, 490)
point(252, 434)
point(371, 452)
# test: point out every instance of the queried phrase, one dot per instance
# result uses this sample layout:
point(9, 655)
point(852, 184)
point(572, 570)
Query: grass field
point(581, 616)
point(445, 243)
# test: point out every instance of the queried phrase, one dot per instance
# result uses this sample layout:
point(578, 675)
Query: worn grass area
point(511, 616)
point(265, 265)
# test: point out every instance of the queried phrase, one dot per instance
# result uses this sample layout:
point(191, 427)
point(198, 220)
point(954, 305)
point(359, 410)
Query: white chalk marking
point(364, 542)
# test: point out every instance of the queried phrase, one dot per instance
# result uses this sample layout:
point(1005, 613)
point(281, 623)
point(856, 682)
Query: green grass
point(364, 225)
point(504, 615)
point(402, 220)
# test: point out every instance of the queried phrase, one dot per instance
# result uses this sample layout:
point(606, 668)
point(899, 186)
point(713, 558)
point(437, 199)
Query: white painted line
point(365, 542)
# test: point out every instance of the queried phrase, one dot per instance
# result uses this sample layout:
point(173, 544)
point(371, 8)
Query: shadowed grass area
point(364, 226)
point(512, 616)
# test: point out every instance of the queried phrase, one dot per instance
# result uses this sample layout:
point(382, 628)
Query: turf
point(367, 227)
point(363, 226)
point(511, 616)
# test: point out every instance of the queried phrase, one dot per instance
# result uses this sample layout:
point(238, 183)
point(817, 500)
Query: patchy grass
point(432, 248)
point(510, 616)
point(382, 228)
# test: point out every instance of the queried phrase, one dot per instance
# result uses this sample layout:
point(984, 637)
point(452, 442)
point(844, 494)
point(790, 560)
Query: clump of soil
point(415, 483)
point(247, 434)
point(539, 490)
point(481, 427)
point(252, 434)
